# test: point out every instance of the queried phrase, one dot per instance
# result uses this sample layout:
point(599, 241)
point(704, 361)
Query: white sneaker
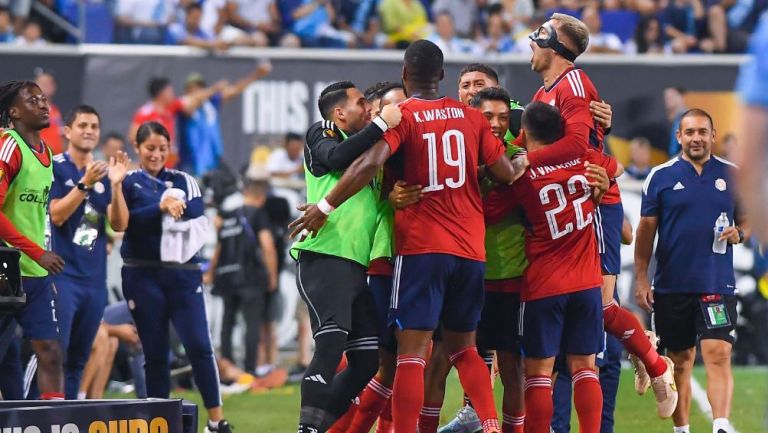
point(666, 391)
point(642, 379)
point(466, 421)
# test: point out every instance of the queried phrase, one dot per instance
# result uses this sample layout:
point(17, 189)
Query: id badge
point(715, 311)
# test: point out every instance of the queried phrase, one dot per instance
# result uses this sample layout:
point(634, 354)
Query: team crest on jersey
point(2, 174)
point(329, 133)
point(720, 184)
point(98, 187)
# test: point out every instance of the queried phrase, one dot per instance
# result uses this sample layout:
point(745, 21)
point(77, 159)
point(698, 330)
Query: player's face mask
point(548, 39)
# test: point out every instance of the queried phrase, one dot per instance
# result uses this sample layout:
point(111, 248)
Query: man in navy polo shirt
point(693, 289)
point(81, 200)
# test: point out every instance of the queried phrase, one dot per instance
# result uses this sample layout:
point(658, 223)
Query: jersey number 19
point(450, 139)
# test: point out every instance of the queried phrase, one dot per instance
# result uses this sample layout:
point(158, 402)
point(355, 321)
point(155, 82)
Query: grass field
point(277, 410)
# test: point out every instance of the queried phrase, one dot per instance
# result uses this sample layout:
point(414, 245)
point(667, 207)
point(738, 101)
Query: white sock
point(683, 429)
point(81, 395)
point(721, 424)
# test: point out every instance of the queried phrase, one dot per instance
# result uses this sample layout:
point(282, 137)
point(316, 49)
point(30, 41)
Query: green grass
point(277, 410)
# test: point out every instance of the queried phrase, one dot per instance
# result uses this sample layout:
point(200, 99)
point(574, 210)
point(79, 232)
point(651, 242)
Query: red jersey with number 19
point(442, 142)
point(560, 241)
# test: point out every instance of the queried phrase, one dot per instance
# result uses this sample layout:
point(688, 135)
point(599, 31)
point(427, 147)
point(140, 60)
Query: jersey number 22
point(575, 185)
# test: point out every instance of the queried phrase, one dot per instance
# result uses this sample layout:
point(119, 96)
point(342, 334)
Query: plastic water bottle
point(718, 246)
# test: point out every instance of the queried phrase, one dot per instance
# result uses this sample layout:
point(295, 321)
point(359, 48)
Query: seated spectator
point(498, 40)
point(190, 33)
point(214, 14)
point(359, 17)
point(31, 35)
point(599, 41)
point(648, 39)
point(522, 43)
point(143, 21)
point(731, 22)
point(53, 135)
point(311, 20)
point(679, 21)
point(619, 20)
point(404, 21)
point(6, 26)
point(113, 142)
point(288, 162)
point(517, 13)
point(640, 166)
point(257, 23)
point(464, 13)
point(445, 37)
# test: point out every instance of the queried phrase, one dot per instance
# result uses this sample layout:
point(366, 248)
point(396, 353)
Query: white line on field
point(699, 395)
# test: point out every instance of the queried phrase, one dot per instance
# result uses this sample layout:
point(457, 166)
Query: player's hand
point(51, 262)
point(173, 207)
point(264, 68)
point(602, 112)
point(403, 195)
point(643, 293)
point(118, 168)
point(94, 172)
point(208, 278)
point(731, 234)
point(520, 164)
point(597, 177)
point(308, 224)
point(391, 114)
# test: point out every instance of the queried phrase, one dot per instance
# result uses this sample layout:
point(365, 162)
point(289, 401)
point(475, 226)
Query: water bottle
point(718, 246)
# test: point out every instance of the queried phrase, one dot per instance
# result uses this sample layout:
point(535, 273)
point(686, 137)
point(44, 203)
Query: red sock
point(408, 393)
point(342, 364)
point(588, 400)
point(384, 424)
point(342, 424)
point(538, 404)
point(473, 375)
point(513, 423)
point(429, 418)
point(52, 396)
point(372, 401)
point(623, 325)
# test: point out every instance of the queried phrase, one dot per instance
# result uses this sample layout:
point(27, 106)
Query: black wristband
point(741, 235)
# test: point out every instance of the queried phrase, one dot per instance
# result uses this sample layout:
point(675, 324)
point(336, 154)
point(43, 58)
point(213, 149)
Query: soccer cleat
point(666, 391)
point(221, 427)
point(642, 379)
point(466, 421)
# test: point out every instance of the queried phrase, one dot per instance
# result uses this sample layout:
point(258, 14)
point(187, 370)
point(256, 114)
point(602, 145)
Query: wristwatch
point(741, 235)
point(83, 187)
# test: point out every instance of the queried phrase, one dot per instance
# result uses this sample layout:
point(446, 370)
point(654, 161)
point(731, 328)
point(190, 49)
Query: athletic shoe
point(222, 427)
point(296, 373)
point(642, 379)
point(276, 378)
point(666, 391)
point(466, 421)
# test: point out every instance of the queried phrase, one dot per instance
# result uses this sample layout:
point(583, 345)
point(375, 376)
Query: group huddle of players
point(483, 227)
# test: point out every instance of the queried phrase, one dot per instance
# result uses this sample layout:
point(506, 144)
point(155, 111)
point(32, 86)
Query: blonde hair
point(577, 31)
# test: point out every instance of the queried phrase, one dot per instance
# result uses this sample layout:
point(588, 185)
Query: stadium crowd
point(456, 26)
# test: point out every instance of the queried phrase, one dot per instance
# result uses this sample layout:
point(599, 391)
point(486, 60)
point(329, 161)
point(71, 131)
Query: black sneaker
point(221, 427)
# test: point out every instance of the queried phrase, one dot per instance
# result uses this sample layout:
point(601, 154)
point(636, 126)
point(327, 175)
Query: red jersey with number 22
point(560, 241)
point(443, 142)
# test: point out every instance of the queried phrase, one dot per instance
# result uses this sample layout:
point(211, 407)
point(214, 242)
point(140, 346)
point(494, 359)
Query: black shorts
point(336, 289)
point(499, 322)
point(680, 320)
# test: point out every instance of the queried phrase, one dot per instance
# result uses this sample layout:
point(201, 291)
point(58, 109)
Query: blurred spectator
point(359, 17)
point(256, 22)
point(619, 20)
point(674, 103)
point(517, 13)
point(649, 39)
point(113, 143)
point(31, 35)
point(288, 161)
point(200, 142)
point(52, 135)
point(599, 41)
point(214, 14)
point(522, 43)
point(731, 22)
point(498, 40)
point(6, 26)
point(681, 21)
point(445, 37)
point(191, 33)
point(640, 166)
point(143, 21)
point(463, 12)
point(311, 20)
point(728, 145)
point(404, 21)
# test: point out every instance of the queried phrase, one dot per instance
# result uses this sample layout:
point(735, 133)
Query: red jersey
point(560, 240)
point(148, 112)
point(442, 142)
point(571, 94)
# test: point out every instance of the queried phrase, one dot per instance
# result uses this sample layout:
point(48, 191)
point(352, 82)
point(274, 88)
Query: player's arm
point(646, 233)
point(117, 211)
point(239, 87)
point(626, 232)
point(64, 205)
point(193, 101)
point(750, 156)
point(578, 125)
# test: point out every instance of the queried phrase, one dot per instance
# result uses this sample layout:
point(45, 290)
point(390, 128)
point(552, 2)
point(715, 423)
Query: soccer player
point(331, 265)
point(81, 200)
point(693, 290)
point(440, 252)
point(560, 310)
point(25, 182)
point(555, 45)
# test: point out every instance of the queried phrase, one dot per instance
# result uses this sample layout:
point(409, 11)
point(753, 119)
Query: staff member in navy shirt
point(81, 200)
point(162, 292)
point(693, 289)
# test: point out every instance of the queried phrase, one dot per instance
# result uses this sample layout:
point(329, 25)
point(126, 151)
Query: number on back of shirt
point(576, 185)
point(453, 155)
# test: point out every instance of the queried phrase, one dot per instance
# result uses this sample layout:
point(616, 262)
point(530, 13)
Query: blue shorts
point(498, 328)
point(381, 289)
point(609, 220)
point(38, 317)
point(571, 323)
point(429, 288)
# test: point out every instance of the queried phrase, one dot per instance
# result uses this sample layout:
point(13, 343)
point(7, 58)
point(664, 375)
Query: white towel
point(181, 240)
